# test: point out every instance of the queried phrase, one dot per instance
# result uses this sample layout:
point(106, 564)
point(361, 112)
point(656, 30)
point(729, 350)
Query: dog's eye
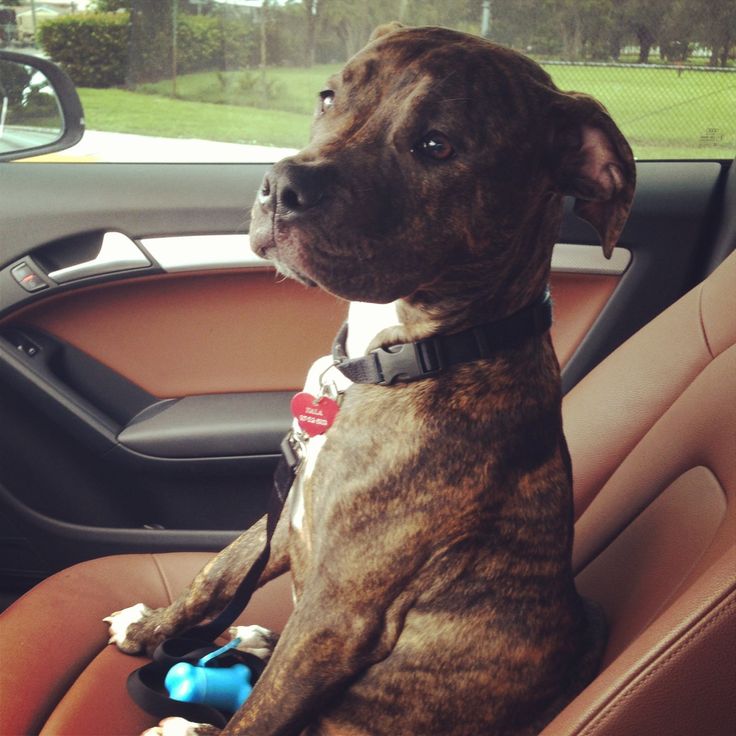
point(327, 100)
point(434, 145)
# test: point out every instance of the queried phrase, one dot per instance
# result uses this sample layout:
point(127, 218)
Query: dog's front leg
point(325, 644)
point(140, 629)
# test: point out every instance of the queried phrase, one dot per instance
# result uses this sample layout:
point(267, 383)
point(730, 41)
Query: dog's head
point(435, 153)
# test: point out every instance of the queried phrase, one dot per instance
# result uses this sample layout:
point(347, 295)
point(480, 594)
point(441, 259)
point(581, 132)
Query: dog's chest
point(297, 503)
point(365, 320)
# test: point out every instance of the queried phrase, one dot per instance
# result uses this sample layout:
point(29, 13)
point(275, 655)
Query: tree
point(459, 14)
point(714, 22)
point(150, 41)
point(14, 81)
point(644, 19)
point(617, 30)
point(571, 29)
point(311, 8)
point(526, 25)
point(353, 21)
point(111, 6)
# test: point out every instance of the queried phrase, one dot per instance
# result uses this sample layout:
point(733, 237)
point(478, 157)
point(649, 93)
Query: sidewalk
point(127, 148)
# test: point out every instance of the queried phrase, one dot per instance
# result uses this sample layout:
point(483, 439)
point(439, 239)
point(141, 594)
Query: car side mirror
point(40, 111)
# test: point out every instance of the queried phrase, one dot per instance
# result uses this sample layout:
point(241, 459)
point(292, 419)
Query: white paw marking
point(121, 620)
point(173, 727)
point(254, 640)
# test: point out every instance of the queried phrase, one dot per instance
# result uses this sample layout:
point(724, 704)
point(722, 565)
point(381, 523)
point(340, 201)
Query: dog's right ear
point(592, 161)
point(385, 29)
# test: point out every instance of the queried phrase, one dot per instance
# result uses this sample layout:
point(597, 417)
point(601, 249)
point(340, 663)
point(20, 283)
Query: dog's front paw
point(255, 640)
point(126, 629)
point(181, 727)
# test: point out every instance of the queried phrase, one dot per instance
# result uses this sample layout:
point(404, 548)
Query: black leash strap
point(413, 361)
point(282, 482)
point(146, 684)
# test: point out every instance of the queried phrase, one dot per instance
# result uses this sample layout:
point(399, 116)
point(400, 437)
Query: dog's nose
point(291, 188)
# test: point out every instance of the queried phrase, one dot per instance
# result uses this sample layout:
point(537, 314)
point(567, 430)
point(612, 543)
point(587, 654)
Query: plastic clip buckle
point(408, 361)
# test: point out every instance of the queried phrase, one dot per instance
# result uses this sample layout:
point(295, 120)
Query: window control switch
point(28, 278)
point(22, 342)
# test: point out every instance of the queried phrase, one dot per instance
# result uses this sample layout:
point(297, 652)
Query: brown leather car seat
point(652, 432)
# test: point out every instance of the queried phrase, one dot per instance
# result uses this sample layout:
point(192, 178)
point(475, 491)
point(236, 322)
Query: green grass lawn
point(131, 112)
point(663, 114)
point(288, 89)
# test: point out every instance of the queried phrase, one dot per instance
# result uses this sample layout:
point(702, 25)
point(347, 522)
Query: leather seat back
point(652, 433)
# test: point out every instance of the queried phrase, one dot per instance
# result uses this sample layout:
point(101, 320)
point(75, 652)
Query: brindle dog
point(432, 572)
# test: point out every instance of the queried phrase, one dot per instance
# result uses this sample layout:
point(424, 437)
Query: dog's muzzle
point(291, 189)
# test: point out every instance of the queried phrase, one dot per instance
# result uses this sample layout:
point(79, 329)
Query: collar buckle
point(425, 358)
point(408, 361)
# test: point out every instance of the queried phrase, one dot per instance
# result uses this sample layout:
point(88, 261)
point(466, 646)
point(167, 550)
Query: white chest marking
point(366, 320)
point(296, 496)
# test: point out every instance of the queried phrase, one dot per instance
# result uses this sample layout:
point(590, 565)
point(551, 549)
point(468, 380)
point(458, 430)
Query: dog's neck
point(462, 299)
point(489, 286)
point(381, 325)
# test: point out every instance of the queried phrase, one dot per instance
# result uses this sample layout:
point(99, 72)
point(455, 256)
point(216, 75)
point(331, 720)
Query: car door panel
point(217, 476)
point(181, 334)
point(578, 300)
point(46, 202)
point(156, 425)
point(109, 413)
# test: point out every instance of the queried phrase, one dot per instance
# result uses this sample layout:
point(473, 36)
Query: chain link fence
point(665, 111)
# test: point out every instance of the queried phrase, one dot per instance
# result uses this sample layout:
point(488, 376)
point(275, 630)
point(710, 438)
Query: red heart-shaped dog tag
point(314, 415)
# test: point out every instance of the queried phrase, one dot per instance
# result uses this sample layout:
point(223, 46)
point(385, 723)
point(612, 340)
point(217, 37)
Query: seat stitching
point(634, 685)
point(629, 450)
point(672, 398)
point(701, 291)
point(164, 580)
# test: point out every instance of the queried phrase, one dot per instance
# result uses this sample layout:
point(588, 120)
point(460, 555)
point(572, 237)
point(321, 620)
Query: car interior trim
point(99, 427)
point(213, 425)
point(188, 320)
point(578, 299)
point(572, 258)
point(117, 253)
point(203, 252)
point(117, 540)
point(174, 336)
point(218, 251)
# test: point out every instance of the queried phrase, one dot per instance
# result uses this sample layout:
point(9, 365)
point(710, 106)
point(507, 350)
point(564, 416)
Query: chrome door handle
point(117, 253)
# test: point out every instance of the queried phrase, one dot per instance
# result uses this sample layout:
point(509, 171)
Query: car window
point(237, 80)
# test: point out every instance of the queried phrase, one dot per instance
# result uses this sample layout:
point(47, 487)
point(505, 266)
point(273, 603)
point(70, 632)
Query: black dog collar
point(412, 361)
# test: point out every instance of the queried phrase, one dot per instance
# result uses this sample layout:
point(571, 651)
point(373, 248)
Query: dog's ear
point(592, 162)
point(385, 29)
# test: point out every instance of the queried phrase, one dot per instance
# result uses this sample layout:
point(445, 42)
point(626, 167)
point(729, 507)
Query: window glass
point(237, 80)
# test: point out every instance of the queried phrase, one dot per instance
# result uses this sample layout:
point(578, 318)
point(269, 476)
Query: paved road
point(14, 138)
